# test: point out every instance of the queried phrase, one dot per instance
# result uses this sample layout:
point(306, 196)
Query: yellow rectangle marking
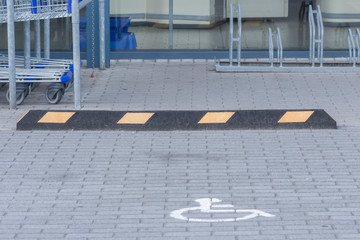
point(56, 117)
point(294, 117)
point(216, 117)
point(135, 118)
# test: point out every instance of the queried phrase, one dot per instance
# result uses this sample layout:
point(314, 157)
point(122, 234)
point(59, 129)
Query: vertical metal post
point(171, 22)
point(358, 43)
point(239, 36)
point(280, 47)
point(349, 44)
point(46, 38)
point(231, 35)
point(37, 39)
point(271, 48)
point(321, 36)
point(102, 33)
point(311, 39)
point(27, 44)
point(11, 53)
point(76, 52)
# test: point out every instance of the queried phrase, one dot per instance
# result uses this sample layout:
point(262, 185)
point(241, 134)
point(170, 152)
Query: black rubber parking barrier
point(176, 120)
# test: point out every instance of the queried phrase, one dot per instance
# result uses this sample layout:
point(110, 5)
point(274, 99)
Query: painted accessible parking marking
point(207, 206)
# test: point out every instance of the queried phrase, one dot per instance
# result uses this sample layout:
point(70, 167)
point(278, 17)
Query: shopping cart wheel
point(33, 86)
point(54, 93)
point(20, 96)
point(27, 89)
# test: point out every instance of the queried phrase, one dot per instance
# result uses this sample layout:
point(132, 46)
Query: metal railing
point(278, 45)
point(231, 32)
point(316, 29)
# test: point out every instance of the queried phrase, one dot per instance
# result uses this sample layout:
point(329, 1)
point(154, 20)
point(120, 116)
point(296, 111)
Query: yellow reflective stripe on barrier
point(135, 118)
point(56, 117)
point(294, 117)
point(216, 117)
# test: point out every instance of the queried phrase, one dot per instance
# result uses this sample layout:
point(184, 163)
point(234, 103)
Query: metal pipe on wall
point(171, 23)
point(76, 53)
point(102, 33)
point(11, 53)
point(46, 38)
point(37, 39)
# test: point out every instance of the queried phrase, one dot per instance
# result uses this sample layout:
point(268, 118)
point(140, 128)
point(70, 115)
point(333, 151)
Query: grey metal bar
point(271, 48)
point(76, 53)
point(27, 44)
point(321, 35)
point(280, 47)
point(231, 35)
point(102, 33)
point(352, 49)
point(349, 44)
point(239, 36)
point(318, 34)
point(46, 38)
point(11, 53)
point(37, 39)
point(311, 32)
point(358, 43)
point(171, 24)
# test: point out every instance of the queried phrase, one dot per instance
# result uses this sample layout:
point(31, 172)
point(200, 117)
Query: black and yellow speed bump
point(176, 120)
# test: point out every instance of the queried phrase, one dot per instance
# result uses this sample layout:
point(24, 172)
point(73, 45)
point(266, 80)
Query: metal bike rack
point(231, 33)
point(279, 47)
point(354, 46)
point(315, 62)
point(316, 29)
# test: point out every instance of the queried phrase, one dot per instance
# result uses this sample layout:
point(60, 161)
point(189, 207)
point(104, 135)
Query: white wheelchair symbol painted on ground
point(206, 206)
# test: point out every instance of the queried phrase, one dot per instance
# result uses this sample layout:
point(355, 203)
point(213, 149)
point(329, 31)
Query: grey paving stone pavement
point(124, 185)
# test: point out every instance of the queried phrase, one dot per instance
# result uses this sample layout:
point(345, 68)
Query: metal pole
point(321, 36)
point(37, 39)
point(11, 53)
point(27, 44)
point(310, 34)
point(231, 35)
point(76, 52)
point(46, 38)
point(271, 49)
point(171, 23)
point(358, 43)
point(239, 36)
point(102, 33)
